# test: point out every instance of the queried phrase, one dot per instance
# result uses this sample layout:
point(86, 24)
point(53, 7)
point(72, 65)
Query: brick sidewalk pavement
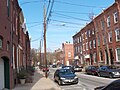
point(39, 83)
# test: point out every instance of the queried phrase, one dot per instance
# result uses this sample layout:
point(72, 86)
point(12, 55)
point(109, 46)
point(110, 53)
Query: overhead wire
point(73, 12)
point(81, 5)
point(72, 17)
point(66, 22)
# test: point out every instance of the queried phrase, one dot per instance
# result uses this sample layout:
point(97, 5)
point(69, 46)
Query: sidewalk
point(39, 83)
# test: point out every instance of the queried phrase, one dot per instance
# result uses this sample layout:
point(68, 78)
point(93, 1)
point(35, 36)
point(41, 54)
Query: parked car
point(91, 70)
point(54, 66)
point(115, 85)
point(45, 69)
point(65, 76)
point(69, 67)
point(77, 68)
point(109, 71)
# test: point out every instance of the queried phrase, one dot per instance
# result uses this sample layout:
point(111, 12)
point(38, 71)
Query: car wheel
point(99, 74)
point(59, 82)
point(54, 80)
point(111, 76)
point(76, 82)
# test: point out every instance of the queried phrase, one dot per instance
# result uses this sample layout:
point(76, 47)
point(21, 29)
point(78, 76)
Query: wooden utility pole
point(45, 41)
point(40, 54)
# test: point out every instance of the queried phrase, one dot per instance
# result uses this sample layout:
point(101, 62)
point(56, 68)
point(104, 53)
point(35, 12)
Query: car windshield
point(112, 67)
point(65, 71)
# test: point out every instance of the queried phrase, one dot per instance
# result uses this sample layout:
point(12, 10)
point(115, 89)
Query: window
point(69, 54)
point(115, 17)
point(102, 24)
point(16, 26)
point(108, 21)
point(13, 61)
point(1, 43)
point(80, 39)
point(77, 40)
point(117, 32)
point(8, 7)
point(94, 58)
point(90, 44)
point(98, 40)
point(104, 40)
point(93, 32)
point(101, 56)
point(83, 36)
point(81, 49)
point(94, 43)
point(110, 36)
point(87, 46)
point(8, 46)
point(89, 33)
point(118, 54)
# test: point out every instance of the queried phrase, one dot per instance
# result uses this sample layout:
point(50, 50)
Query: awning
point(87, 56)
point(76, 57)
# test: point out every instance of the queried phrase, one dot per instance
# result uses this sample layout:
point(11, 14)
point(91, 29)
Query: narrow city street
point(86, 82)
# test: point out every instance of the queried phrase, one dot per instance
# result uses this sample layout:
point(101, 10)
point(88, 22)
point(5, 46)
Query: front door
point(7, 75)
point(1, 74)
point(111, 57)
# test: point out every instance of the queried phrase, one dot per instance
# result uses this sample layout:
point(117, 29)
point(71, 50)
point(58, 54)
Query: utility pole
point(40, 54)
point(45, 42)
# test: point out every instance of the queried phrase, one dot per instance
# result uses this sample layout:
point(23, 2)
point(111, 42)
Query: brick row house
point(98, 43)
point(14, 43)
point(67, 53)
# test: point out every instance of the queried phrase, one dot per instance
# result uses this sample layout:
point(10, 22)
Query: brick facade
point(105, 38)
point(68, 53)
point(14, 42)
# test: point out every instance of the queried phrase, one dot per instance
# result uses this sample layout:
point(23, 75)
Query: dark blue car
point(109, 71)
point(65, 76)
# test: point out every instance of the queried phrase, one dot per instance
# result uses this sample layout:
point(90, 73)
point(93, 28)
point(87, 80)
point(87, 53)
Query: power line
point(78, 4)
point(66, 22)
point(28, 2)
point(73, 12)
point(63, 26)
point(49, 15)
point(72, 17)
point(81, 5)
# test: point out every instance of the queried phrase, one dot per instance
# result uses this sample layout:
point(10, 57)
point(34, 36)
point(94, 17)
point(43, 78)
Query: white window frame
point(83, 36)
point(94, 43)
point(93, 32)
point(115, 15)
point(110, 36)
point(94, 58)
point(69, 54)
point(98, 40)
point(89, 33)
point(108, 21)
point(90, 44)
point(117, 54)
point(13, 61)
point(1, 43)
point(86, 45)
point(117, 33)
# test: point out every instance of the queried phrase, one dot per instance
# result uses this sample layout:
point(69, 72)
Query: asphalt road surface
point(86, 82)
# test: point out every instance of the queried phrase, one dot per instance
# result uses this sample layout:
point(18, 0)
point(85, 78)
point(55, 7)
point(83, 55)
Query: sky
point(66, 19)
